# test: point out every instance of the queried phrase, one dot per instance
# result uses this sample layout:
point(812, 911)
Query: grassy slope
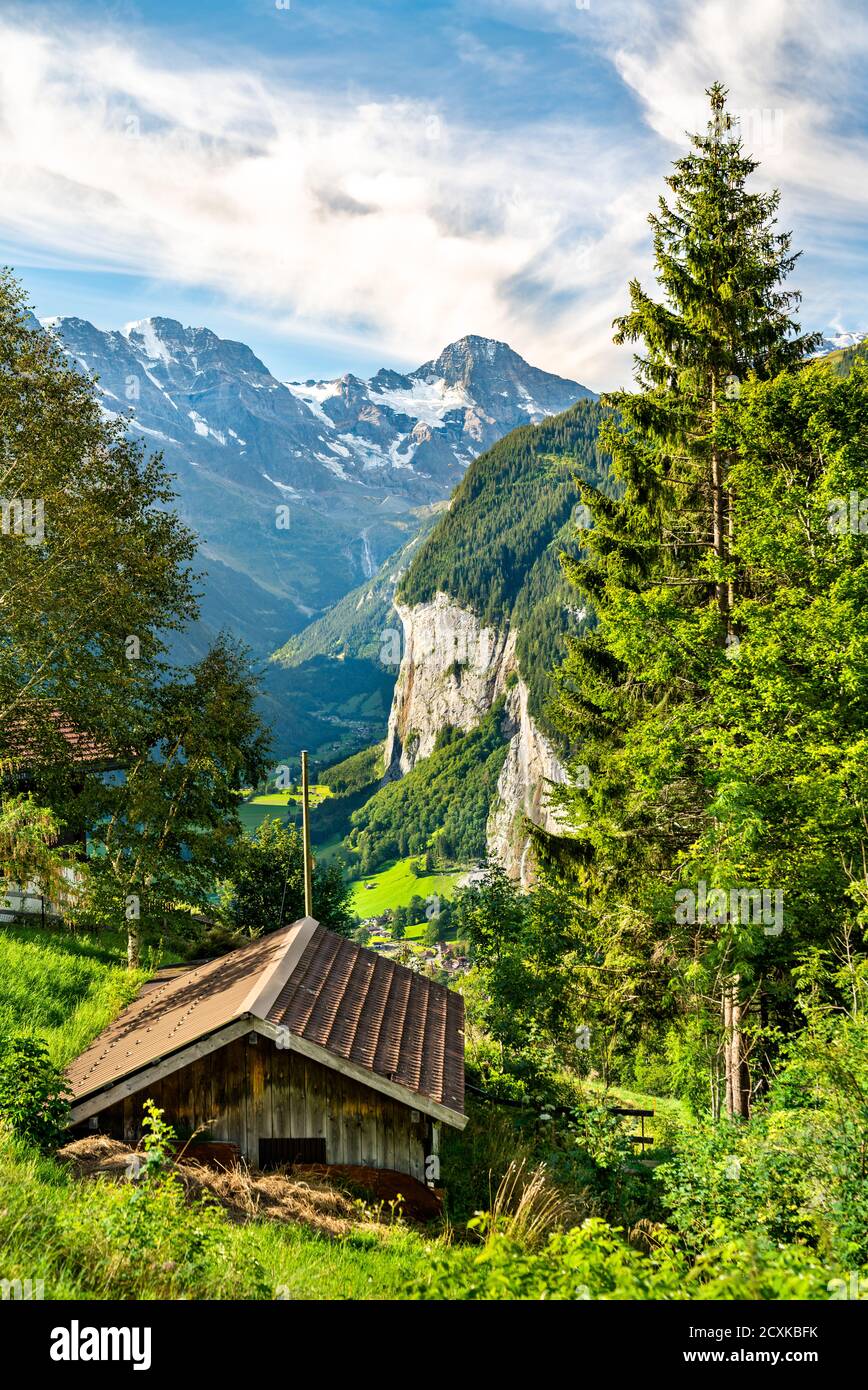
point(396, 885)
point(63, 987)
point(85, 1240)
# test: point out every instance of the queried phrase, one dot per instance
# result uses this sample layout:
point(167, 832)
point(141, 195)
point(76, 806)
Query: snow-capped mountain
point(837, 341)
point(442, 415)
point(299, 490)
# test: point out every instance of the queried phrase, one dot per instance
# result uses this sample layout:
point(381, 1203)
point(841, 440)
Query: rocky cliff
point(531, 766)
point(453, 669)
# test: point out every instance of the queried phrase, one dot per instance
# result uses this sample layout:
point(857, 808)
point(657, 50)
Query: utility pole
point(305, 826)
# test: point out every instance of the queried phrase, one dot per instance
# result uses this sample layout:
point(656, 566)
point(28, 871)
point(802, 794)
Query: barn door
point(275, 1153)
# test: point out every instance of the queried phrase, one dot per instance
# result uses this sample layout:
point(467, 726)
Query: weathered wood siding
point(246, 1092)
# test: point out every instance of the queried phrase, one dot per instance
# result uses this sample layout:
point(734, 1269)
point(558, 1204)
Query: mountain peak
point(153, 334)
point(457, 360)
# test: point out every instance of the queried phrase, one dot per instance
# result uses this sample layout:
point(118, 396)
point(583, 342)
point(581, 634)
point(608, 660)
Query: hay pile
point(247, 1195)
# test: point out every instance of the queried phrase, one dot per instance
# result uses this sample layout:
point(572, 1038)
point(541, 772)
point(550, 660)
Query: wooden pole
point(305, 824)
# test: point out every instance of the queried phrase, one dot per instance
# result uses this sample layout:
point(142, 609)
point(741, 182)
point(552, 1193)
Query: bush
point(594, 1261)
point(33, 1093)
point(795, 1171)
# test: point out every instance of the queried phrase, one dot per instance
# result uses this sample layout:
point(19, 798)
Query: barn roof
point(397, 1031)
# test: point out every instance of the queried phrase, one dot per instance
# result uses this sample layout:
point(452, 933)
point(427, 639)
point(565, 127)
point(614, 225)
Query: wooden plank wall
point(244, 1092)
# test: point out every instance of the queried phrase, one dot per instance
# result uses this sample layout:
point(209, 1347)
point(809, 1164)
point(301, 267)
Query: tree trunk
point(720, 521)
point(735, 1063)
point(727, 1047)
point(714, 1083)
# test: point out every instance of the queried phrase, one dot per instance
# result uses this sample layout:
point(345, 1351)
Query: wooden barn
point(301, 1047)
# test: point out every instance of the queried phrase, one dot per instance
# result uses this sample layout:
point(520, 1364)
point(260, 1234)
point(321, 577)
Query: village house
point(86, 756)
point(300, 1047)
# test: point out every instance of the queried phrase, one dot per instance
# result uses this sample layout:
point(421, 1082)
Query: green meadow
point(395, 885)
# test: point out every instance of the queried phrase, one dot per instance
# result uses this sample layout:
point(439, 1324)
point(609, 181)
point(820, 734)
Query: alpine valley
point(308, 498)
point(390, 549)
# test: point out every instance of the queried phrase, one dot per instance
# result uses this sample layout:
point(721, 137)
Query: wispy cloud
point(391, 221)
point(795, 69)
point(381, 220)
point(502, 64)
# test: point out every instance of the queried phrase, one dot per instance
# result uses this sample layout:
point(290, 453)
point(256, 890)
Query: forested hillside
point(497, 550)
point(442, 805)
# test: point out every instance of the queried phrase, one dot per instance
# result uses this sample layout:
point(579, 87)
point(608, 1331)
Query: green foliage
point(447, 796)
point(28, 847)
point(266, 874)
point(171, 1243)
point(792, 1177)
point(88, 602)
point(506, 513)
point(495, 551)
point(33, 1093)
point(355, 773)
point(538, 974)
point(646, 696)
point(110, 559)
point(163, 833)
point(594, 1261)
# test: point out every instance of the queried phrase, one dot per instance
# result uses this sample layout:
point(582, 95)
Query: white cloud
point(794, 69)
point(388, 224)
point(382, 222)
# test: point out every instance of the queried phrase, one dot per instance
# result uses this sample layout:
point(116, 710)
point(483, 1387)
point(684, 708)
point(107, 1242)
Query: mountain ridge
point(350, 466)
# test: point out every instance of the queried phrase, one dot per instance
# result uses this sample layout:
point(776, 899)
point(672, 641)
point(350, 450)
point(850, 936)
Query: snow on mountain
point(839, 340)
point(358, 463)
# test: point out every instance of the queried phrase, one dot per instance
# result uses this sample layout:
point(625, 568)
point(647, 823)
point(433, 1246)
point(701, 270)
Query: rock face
point(453, 669)
point(523, 790)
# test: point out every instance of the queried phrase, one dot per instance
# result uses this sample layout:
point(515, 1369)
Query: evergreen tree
point(658, 569)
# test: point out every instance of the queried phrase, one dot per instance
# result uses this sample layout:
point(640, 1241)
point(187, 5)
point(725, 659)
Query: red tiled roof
point(84, 747)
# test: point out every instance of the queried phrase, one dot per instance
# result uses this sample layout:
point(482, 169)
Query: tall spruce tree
point(658, 567)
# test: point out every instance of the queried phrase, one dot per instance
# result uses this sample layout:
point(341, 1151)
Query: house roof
point(364, 1015)
point(388, 1019)
point(83, 747)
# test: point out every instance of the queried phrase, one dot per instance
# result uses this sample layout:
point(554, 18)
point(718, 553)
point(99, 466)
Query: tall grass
point(102, 1239)
point(65, 988)
point(528, 1207)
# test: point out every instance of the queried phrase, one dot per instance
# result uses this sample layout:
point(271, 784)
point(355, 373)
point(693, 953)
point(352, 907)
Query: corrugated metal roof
point(353, 1003)
point(377, 1014)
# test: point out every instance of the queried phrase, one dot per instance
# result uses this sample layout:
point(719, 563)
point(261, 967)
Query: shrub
point(594, 1261)
point(33, 1093)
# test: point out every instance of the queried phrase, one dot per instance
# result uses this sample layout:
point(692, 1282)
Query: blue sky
point(348, 185)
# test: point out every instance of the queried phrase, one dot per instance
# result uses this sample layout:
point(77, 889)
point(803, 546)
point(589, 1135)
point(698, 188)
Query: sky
point(346, 185)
